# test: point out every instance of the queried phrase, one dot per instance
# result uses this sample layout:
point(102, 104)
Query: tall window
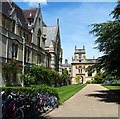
point(80, 71)
point(80, 57)
point(24, 34)
point(38, 43)
point(13, 27)
point(14, 50)
point(39, 59)
point(39, 35)
point(28, 58)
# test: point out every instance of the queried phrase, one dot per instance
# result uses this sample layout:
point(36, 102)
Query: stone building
point(23, 39)
point(67, 66)
point(79, 64)
point(53, 45)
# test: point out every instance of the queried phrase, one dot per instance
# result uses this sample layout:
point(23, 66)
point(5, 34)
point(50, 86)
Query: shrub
point(89, 82)
point(31, 90)
point(98, 78)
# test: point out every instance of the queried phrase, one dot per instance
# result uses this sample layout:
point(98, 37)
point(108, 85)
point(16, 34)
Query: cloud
point(33, 3)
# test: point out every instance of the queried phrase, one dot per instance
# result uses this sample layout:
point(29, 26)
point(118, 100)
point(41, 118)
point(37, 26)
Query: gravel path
point(92, 101)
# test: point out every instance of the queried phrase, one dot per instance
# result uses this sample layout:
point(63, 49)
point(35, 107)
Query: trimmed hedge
point(31, 90)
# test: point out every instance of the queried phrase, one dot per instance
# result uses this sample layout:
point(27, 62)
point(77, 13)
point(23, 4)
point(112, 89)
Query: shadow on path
point(79, 118)
point(107, 96)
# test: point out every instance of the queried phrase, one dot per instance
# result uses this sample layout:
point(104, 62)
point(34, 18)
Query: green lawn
point(65, 92)
point(114, 89)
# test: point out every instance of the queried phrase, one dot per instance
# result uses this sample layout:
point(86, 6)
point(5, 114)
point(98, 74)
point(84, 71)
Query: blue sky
point(74, 20)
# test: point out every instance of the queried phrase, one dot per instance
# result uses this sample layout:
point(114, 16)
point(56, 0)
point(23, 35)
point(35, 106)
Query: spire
point(75, 47)
point(39, 5)
point(72, 58)
point(83, 47)
point(57, 21)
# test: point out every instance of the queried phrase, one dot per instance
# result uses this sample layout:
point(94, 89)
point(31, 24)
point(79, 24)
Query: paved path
point(92, 101)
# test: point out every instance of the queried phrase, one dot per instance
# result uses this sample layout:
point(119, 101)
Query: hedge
point(31, 90)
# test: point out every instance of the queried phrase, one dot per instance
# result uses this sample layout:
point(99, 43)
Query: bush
point(31, 90)
point(89, 82)
point(41, 75)
point(98, 78)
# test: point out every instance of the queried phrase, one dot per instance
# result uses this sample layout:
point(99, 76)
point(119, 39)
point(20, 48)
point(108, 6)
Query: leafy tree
point(98, 78)
point(9, 69)
point(64, 79)
point(38, 74)
point(78, 79)
point(108, 42)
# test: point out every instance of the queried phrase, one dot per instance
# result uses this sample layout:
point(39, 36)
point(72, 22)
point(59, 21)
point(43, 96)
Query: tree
point(9, 71)
point(78, 79)
point(98, 78)
point(64, 79)
point(108, 42)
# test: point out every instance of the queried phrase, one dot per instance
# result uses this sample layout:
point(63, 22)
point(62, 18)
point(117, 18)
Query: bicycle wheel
point(19, 114)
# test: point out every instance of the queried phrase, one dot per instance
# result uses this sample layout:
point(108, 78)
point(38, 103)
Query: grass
point(114, 89)
point(65, 92)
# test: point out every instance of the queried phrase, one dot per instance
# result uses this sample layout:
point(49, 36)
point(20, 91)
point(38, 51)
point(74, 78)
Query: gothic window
point(28, 55)
point(24, 34)
point(39, 59)
point(13, 27)
point(38, 41)
point(14, 50)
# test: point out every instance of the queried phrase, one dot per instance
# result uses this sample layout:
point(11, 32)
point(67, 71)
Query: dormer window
point(30, 21)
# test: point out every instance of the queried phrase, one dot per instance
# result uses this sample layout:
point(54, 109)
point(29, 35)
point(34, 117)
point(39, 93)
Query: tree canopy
point(108, 42)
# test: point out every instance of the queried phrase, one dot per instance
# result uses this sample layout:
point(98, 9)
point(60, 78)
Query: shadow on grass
point(107, 96)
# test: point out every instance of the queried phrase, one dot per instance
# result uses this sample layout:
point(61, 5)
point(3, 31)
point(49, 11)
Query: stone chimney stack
point(66, 61)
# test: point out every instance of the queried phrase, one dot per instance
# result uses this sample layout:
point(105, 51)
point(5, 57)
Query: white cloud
point(33, 3)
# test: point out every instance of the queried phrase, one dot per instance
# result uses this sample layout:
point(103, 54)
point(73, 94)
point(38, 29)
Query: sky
point(75, 18)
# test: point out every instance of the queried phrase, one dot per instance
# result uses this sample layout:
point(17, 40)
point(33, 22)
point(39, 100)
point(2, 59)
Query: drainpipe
point(23, 63)
point(7, 47)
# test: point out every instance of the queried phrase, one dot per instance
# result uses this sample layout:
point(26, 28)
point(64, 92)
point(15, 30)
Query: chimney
point(66, 61)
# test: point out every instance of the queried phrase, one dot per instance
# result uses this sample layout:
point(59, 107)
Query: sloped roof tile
point(50, 32)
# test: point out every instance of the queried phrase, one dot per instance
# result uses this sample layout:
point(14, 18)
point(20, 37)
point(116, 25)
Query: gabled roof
point(30, 13)
point(8, 8)
point(50, 32)
point(5, 8)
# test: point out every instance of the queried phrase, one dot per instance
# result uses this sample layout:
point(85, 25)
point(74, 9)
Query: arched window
point(14, 50)
point(13, 27)
point(39, 36)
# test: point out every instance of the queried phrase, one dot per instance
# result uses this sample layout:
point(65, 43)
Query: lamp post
point(23, 62)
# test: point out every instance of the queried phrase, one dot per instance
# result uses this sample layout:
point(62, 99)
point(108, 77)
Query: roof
point(30, 13)
point(50, 32)
point(66, 65)
point(7, 9)
point(83, 62)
